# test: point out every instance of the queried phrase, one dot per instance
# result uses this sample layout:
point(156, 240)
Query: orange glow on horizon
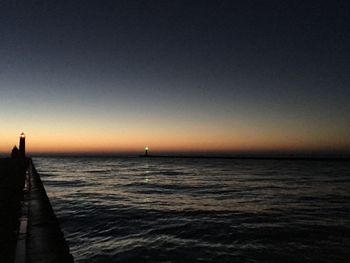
point(127, 136)
point(177, 143)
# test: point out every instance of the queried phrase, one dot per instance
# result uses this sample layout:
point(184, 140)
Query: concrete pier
point(29, 229)
point(45, 240)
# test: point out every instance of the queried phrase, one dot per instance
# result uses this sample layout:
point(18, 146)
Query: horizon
point(180, 77)
point(180, 152)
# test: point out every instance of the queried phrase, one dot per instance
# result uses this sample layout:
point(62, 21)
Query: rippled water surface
point(209, 210)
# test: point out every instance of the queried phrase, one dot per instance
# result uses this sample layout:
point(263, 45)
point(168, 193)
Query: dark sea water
point(201, 210)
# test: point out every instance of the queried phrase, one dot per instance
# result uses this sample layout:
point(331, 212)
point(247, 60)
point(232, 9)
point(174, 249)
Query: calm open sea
point(203, 210)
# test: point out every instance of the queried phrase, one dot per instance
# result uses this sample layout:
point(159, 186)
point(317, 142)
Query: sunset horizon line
point(271, 153)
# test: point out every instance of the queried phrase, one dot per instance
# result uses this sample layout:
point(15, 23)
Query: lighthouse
point(22, 145)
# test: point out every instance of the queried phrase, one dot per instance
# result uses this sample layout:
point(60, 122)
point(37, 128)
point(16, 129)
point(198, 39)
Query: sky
point(176, 76)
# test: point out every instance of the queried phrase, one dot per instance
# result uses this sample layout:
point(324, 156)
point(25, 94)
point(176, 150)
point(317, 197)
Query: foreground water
point(209, 210)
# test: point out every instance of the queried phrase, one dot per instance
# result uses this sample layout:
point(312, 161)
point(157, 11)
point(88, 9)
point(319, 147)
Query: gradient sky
point(178, 76)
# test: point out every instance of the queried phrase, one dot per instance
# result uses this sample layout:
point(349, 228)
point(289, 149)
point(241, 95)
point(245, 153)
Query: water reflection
point(137, 209)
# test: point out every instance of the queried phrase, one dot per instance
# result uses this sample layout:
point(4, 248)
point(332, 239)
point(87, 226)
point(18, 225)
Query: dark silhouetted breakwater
point(12, 174)
point(29, 229)
point(255, 157)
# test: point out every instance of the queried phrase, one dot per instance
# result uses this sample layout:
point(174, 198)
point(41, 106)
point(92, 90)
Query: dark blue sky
point(180, 68)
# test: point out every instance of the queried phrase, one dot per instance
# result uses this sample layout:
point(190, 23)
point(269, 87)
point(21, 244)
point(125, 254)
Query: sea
point(131, 209)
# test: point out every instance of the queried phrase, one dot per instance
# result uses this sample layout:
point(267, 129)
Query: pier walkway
point(29, 229)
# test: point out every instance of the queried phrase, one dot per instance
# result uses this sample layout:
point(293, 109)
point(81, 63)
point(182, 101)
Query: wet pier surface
point(29, 229)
